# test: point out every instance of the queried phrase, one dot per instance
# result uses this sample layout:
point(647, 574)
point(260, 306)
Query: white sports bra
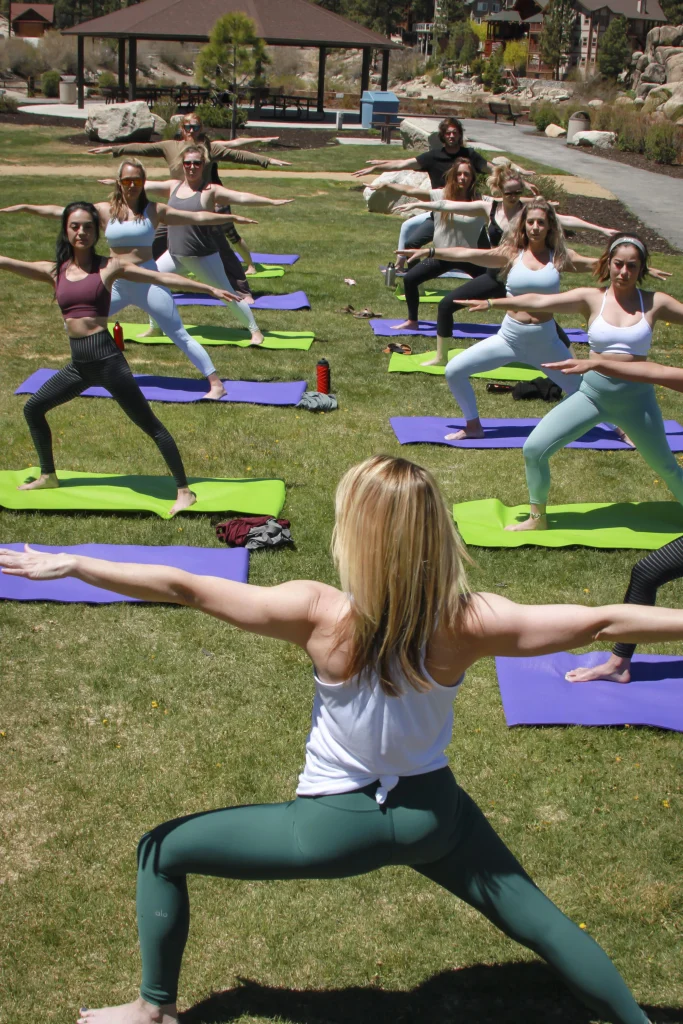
point(634, 340)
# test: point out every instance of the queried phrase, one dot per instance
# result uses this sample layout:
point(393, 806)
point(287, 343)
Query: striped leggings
point(113, 373)
point(647, 577)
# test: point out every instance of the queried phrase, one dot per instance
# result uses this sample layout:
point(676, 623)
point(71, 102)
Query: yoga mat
point(266, 270)
point(112, 492)
point(535, 692)
point(182, 389)
point(286, 259)
point(382, 328)
point(645, 525)
point(291, 300)
point(213, 335)
point(510, 433)
point(413, 364)
point(226, 563)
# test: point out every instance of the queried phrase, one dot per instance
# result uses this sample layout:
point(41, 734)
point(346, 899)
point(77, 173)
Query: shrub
point(49, 83)
point(20, 57)
point(8, 104)
point(631, 128)
point(165, 108)
point(220, 117)
point(107, 80)
point(544, 113)
point(58, 51)
point(550, 189)
point(660, 142)
point(436, 77)
point(515, 55)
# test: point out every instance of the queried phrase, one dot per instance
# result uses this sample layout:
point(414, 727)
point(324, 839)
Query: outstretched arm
point(167, 215)
point(575, 301)
point(40, 211)
point(567, 221)
point(377, 166)
point(451, 206)
point(42, 271)
point(139, 148)
point(401, 190)
point(645, 372)
point(153, 188)
point(667, 308)
point(131, 272)
point(501, 627)
point(458, 254)
point(286, 611)
point(227, 195)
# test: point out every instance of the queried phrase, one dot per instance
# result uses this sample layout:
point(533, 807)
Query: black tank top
point(494, 229)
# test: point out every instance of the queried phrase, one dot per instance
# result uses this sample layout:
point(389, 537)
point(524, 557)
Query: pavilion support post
point(385, 71)
point(80, 71)
point(322, 57)
point(132, 67)
point(122, 65)
point(365, 71)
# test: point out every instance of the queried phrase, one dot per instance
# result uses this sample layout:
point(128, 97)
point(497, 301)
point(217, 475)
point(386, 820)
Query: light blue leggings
point(633, 407)
point(158, 303)
point(532, 344)
point(208, 269)
point(409, 227)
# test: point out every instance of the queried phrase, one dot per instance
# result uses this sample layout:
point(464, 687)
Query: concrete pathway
point(656, 198)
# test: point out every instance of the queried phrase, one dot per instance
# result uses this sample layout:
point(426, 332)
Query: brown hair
point(516, 238)
point(400, 559)
point(601, 268)
point(450, 122)
point(117, 203)
point(451, 183)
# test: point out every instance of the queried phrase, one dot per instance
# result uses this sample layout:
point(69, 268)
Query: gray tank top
point(190, 239)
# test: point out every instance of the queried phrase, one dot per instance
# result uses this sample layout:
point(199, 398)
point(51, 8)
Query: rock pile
point(658, 71)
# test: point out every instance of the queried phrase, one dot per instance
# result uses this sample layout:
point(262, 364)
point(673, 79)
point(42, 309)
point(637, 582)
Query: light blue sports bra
point(130, 234)
point(521, 279)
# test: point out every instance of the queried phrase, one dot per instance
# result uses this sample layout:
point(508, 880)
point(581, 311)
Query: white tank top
point(359, 735)
point(634, 340)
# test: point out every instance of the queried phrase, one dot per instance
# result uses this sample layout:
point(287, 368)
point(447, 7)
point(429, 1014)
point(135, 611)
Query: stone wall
point(658, 71)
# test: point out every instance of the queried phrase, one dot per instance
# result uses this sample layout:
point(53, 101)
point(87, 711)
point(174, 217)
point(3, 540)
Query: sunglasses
point(193, 163)
point(192, 127)
point(513, 195)
point(132, 182)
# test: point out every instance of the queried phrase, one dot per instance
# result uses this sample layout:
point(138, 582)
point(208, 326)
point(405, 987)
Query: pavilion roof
point(294, 23)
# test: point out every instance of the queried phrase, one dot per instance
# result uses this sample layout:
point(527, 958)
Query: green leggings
point(428, 822)
point(633, 407)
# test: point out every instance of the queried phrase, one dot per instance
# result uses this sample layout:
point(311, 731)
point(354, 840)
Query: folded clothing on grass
point(255, 532)
point(226, 564)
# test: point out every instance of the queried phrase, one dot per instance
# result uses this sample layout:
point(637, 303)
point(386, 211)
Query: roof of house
point(628, 8)
point(45, 12)
point(294, 23)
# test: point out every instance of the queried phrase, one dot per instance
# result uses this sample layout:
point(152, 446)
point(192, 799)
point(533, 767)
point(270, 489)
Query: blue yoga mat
point(384, 328)
point(291, 300)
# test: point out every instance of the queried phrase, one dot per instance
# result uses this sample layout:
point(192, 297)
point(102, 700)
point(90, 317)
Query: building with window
point(31, 21)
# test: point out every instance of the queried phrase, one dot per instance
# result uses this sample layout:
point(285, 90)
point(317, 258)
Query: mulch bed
point(611, 213)
point(637, 160)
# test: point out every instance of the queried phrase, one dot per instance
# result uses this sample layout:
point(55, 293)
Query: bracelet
point(536, 515)
point(431, 252)
point(489, 304)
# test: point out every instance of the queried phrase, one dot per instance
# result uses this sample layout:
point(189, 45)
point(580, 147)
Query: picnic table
point(281, 103)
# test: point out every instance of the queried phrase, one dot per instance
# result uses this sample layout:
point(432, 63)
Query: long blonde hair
point(117, 203)
point(516, 238)
point(501, 174)
point(400, 560)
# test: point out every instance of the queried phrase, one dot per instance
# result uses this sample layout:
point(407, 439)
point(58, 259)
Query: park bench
point(503, 110)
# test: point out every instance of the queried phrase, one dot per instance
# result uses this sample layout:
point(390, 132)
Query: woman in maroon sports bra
point(83, 281)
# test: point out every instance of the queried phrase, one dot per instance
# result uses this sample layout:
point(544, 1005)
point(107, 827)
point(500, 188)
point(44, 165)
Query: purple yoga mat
point(181, 389)
point(511, 433)
point(284, 259)
point(226, 563)
point(535, 692)
point(383, 329)
point(292, 300)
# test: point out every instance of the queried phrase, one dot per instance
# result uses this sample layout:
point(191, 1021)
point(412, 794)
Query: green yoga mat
point(113, 492)
point(645, 525)
point(212, 335)
point(429, 295)
point(266, 270)
point(412, 364)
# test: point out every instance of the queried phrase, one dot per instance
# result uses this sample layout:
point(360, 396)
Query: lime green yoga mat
point(645, 525)
point(429, 295)
point(212, 335)
point(413, 364)
point(112, 492)
point(266, 270)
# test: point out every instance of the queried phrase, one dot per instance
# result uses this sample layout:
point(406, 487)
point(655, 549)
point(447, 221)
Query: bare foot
point(623, 436)
point(436, 361)
point(464, 435)
point(529, 524)
point(41, 483)
point(185, 499)
point(615, 669)
point(216, 392)
point(406, 325)
point(139, 1012)
point(251, 269)
point(153, 331)
point(256, 338)
point(248, 298)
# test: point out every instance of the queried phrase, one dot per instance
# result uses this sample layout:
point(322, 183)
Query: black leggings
point(427, 270)
point(113, 373)
point(647, 577)
point(485, 286)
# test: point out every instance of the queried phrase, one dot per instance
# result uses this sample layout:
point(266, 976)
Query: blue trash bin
point(374, 103)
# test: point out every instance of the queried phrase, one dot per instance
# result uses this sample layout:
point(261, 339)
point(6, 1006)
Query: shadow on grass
point(482, 994)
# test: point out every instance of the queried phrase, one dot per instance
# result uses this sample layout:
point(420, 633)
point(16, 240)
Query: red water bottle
point(118, 336)
point(323, 372)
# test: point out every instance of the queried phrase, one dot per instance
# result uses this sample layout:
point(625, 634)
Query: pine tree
point(614, 55)
point(556, 35)
point(673, 10)
point(233, 55)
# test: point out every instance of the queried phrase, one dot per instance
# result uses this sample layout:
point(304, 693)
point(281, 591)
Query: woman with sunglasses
point(192, 130)
point(129, 220)
point(194, 249)
point(83, 283)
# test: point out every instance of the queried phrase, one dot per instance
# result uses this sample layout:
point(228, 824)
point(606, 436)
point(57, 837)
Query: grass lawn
point(115, 718)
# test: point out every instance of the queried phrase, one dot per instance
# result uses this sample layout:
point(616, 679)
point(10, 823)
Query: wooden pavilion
point(294, 23)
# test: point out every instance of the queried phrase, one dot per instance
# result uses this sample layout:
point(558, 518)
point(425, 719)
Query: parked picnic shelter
point(278, 23)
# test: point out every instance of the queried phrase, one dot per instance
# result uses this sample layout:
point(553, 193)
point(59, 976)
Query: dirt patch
point(637, 160)
point(40, 120)
point(611, 213)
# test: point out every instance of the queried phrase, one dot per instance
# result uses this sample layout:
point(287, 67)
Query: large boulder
point(674, 68)
point(624, 101)
point(654, 73)
point(598, 140)
point(665, 35)
point(642, 62)
point(555, 131)
point(120, 122)
point(420, 133)
point(386, 201)
point(596, 103)
point(644, 89)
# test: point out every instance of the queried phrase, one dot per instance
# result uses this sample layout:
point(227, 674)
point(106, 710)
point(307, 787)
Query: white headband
point(627, 240)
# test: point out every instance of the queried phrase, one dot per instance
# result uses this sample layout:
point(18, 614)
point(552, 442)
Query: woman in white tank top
point(620, 323)
point(390, 649)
